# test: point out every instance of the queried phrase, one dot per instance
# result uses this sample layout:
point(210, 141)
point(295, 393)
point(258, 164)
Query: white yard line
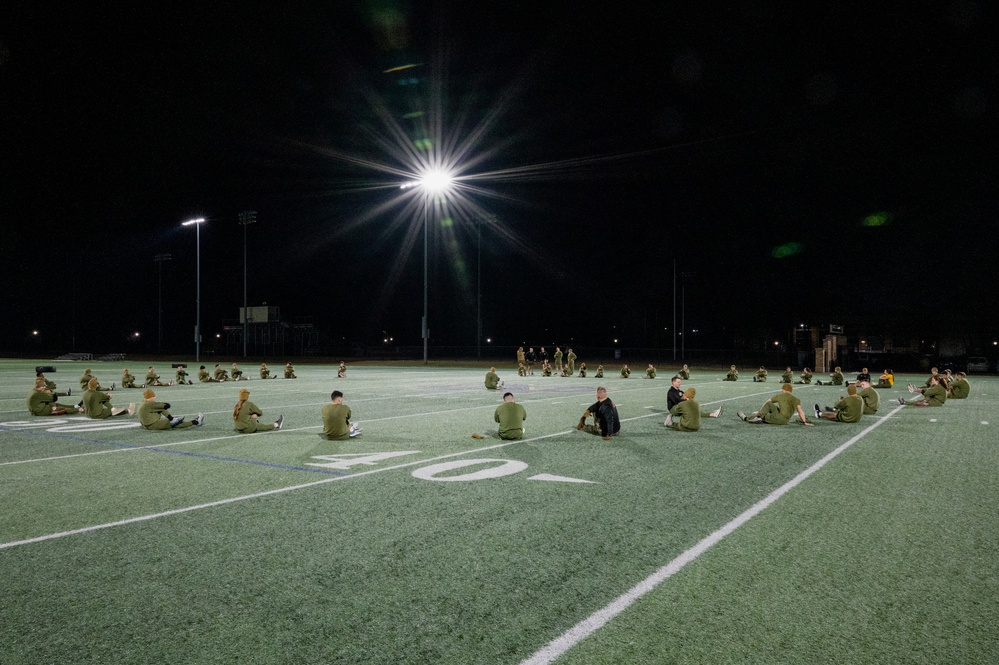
point(561, 644)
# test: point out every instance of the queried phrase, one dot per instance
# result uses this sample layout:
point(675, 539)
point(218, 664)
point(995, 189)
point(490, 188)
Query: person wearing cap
point(733, 374)
point(41, 402)
point(97, 404)
point(127, 379)
point(336, 420)
point(156, 415)
point(778, 409)
point(289, 371)
point(848, 409)
point(246, 413)
point(152, 378)
point(511, 417)
point(265, 372)
point(204, 376)
point(181, 377)
point(493, 382)
point(606, 421)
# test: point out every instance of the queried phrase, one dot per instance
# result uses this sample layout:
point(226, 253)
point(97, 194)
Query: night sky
point(796, 163)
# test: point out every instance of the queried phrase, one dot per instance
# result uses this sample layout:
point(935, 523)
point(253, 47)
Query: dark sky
point(798, 163)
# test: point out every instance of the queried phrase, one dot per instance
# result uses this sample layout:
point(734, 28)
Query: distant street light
point(160, 258)
point(246, 218)
point(197, 325)
point(432, 182)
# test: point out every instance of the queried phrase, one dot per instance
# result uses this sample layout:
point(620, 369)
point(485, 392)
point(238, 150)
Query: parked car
point(977, 364)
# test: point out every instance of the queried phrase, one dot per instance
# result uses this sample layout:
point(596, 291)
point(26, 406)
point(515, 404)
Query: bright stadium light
point(436, 181)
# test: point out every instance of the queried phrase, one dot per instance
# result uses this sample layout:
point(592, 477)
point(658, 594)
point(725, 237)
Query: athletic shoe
point(80, 405)
point(69, 391)
point(112, 385)
point(901, 400)
point(131, 408)
point(716, 413)
point(829, 409)
point(669, 421)
point(171, 382)
point(200, 420)
point(354, 432)
point(742, 415)
point(818, 383)
point(818, 411)
point(279, 422)
point(176, 421)
point(755, 420)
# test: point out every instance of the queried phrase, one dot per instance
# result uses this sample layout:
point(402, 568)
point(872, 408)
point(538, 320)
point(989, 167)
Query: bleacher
point(76, 356)
point(112, 357)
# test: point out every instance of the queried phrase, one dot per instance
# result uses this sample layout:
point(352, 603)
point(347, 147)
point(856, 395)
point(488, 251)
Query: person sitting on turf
point(546, 369)
point(625, 372)
point(85, 382)
point(786, 377)
point(606, 421)
point(97, 404)
point(887, 379)
point(181, 376)
point(836, 377)
point(778, 409)
point(127, 379)
point(265, 372)
point(152, 378)
point(733, 374)
point(864, 374)
point(245, 414)
point(600, 372)
point(336, 420)
point(156, 415)
point(848, 409)
point(221, 374)
point(934, 395)
point(685, 416)
point(289, 371)
point(872, 401)
point(41, 402)
point(341, 371)
point(493, 382)
point(806, 376)
point(960, 388)
point(51, 385)
point(582, 370)
point(684, 373)
point(204, 376)
point(511, 417)
point(761, 375)
point(237, 374)
point(650, 371)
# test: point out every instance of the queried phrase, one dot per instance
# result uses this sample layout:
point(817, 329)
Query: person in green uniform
point(521, 356)
point(336, 420)
point(848, 409)
point(786, 377)
point(835, 378)
point(582, 370)
point(221, 374)
point(960, 388)
point(51, 386)
point(761, 375)
point(128, 379)
point(97, 404)
point(42, 402)
point(806, 376)
point(935, 395)
point(204, 376)
point(522, 370)
point(558, 358)
point(650, 371)
point(289, 371)
point(156, 415)
point(341, 370)
point(866, 392)
point(181, 376)
point(85, 382)
point(152, 378)
point(245, 416)
point(265, 372)
point(493, 381)
point(546, 370)
point(570, 360)
point(733, 374)
point(600, 372)
point(625, 372)
point(684, 373)
point(511, 417)
point(685, 416)
point(778, 409)
point(237, 373)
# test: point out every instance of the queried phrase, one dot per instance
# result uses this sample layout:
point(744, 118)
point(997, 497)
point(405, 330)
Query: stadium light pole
point(197, 325)
point(433, 181)
point(160, 258)
point(246, 218)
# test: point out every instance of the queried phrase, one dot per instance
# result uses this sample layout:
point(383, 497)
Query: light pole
point(432, 182)
point(246, 218)
point(160, 258)
point(197, 325)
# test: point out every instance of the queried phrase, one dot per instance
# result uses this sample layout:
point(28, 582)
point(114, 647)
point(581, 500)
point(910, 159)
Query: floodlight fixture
point(436, 181)
point(199, 220)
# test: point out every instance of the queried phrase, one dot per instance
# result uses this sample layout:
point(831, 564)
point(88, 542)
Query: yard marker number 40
point(434, 472)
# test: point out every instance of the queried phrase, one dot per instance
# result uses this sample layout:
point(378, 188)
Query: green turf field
point(415, 543)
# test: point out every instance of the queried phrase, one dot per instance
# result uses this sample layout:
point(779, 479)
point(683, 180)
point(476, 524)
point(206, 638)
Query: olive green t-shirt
point(336, 421)
point(850, 409)
point(511, 417)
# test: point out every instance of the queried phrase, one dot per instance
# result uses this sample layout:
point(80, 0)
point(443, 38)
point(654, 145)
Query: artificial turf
point(282, 547)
